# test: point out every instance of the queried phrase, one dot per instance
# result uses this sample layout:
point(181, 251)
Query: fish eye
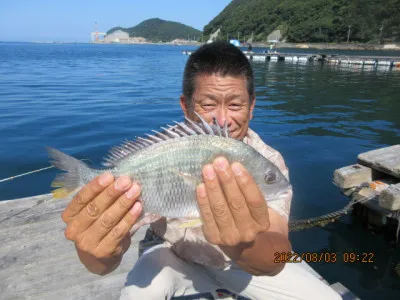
point(270, 178)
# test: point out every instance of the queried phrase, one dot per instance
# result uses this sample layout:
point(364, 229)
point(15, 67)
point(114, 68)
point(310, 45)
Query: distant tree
point(160, 30)
point(310, 20)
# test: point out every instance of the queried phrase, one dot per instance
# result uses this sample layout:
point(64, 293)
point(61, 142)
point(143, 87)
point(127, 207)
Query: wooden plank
point(386, 160)
point(60, 269)
point(24, 251)
point(23, 202)
point(31, 230)
point(103, 288)
point(27, 207)
point(37, 262)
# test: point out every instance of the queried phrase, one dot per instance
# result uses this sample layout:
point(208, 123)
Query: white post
point(348, 34)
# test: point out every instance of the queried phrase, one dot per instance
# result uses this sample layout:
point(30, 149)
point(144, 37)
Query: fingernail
point(209, 172)
point(221, 163)
point(106, 178)
point(237, 169)
point(201, 190)
point(133, 191)
point(122, 183)
point(136, 208)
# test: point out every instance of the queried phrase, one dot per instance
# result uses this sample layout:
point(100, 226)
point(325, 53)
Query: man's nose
point(222, 117)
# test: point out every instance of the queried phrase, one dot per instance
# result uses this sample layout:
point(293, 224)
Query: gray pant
point(160, 274)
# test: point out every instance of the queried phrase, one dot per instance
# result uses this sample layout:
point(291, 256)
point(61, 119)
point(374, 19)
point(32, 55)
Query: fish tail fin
point(67, 183)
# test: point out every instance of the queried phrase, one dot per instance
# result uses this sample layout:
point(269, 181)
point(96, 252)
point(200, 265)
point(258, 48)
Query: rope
point(297, 225)
point(24, 174)
point(28, 173)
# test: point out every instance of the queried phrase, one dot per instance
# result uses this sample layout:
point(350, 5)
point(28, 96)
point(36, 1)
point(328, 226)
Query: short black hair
point(220, 58)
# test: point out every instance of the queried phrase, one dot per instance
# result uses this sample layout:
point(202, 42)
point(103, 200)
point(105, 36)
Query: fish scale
point(168, 167)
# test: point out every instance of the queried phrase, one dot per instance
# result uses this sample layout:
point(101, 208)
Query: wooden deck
point(386, 160)
point(37, 262)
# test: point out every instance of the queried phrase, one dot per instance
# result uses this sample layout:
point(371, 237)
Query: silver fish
point(168, 166)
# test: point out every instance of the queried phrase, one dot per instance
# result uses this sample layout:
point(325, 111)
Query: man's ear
point(253, 104)
point(184, 106)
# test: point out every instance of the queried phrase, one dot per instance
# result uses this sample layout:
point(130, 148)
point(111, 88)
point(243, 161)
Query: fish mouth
point(278, 194)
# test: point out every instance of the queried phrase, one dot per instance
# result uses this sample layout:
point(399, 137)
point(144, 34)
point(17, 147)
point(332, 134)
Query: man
point(236, 247)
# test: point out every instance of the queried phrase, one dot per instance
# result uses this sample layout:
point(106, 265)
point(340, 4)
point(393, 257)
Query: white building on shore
point(117, 36)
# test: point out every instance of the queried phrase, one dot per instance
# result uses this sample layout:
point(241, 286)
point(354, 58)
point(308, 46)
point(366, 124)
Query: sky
point(74, 20)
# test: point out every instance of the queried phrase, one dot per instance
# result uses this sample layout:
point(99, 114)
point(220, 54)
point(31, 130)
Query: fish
point(168, 166)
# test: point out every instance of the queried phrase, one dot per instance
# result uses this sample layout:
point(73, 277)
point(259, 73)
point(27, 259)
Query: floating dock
point(375, 61)
point(376, 176)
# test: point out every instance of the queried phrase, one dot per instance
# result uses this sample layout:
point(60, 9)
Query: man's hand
point(236, 218)
point(99, 218)
point(231, 205)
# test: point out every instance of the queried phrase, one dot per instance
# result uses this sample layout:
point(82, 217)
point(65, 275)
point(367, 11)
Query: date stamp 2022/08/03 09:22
point(324, 257)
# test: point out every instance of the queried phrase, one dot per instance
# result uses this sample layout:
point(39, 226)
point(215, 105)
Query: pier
point(376, 61)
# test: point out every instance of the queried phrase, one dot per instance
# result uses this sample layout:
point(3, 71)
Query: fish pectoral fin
point(57, 184)
point(191, 223)
point(189, 179)
point(63, 192)
point(60, 193)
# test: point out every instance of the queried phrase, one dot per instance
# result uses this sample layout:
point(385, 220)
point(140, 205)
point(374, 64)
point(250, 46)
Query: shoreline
point(320, 46)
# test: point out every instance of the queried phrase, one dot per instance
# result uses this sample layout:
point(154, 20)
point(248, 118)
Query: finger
point(95, 208)
point(210, 228)
point(126, 243)
point(113, 243)
point(107, 222)
point(237, 203)
point(86, 194)
point(219, 207)
point(255, 200)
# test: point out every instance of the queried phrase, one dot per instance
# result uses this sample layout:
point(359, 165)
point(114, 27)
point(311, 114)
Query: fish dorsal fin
point(175, 131)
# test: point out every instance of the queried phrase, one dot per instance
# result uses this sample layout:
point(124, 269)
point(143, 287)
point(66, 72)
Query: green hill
point(310, 20)
point(160, 30)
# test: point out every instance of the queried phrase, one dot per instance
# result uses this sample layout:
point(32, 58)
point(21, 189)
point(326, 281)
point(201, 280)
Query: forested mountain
point(160, 30)
point(310, 20)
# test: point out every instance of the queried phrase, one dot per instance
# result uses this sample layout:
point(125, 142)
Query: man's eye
point(208, 105)
point(235, 106)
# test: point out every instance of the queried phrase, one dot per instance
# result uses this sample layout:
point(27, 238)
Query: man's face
point(225, 98)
